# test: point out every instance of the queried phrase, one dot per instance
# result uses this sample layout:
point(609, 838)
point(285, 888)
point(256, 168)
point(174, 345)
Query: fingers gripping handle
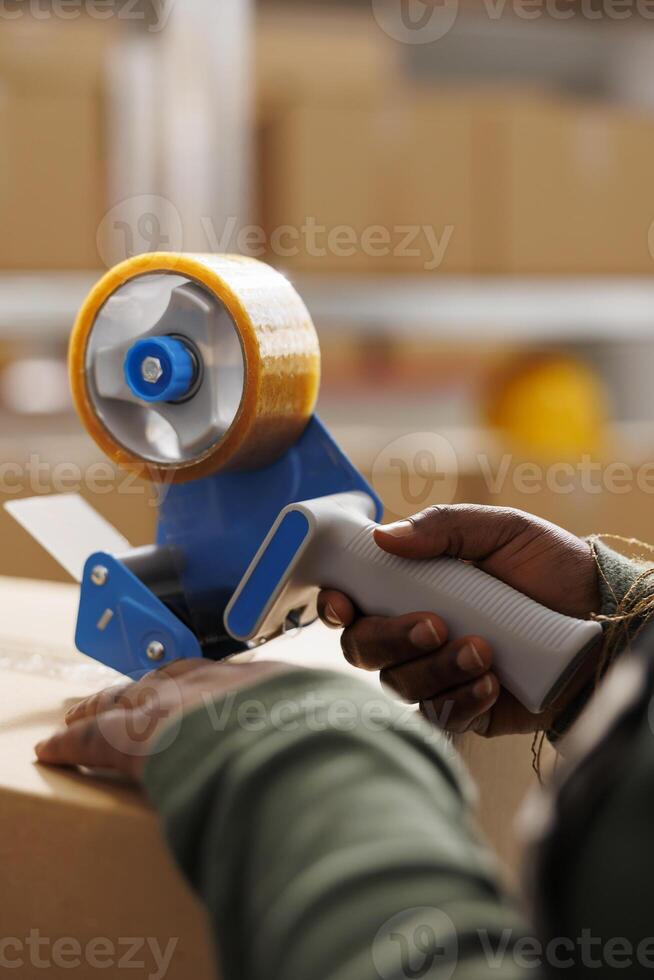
point(533, 647)
point(332, 545)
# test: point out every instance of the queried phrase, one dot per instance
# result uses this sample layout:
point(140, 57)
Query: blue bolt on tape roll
point(159, 369)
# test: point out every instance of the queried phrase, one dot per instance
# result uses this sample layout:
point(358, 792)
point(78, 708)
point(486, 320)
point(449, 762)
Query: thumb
point(467, 531)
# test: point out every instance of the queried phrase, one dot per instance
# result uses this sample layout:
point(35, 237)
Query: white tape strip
point(68, 528)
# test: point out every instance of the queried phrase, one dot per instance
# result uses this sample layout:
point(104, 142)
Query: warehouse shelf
point(43, 306)
point(545, 309)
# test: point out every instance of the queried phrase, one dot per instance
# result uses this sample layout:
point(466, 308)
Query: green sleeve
point(327, 830)
point(624, 584)
point(593, 868)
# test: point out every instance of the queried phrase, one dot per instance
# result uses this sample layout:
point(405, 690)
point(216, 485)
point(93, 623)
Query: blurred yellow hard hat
point(551, 406)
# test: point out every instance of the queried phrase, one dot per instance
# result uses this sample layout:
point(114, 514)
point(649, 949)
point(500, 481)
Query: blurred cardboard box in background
point(567, 186)
point(509, 181)
point(371, 187)
point(431, 182)
point(315, 55)
point(52, 153)
point(492, 182)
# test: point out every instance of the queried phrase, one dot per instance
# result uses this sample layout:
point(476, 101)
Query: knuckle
point(321, 603)
point(429, 516)
point(402, 683)
point(360, 641)
point(514, 520)
point(146, 699)
point(154, 675)
point(114, 696)
point(181, 663)
point(350, 648)
point(83, 708)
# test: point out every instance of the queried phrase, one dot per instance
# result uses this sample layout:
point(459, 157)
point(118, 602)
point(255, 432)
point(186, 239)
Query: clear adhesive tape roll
point(281, 364)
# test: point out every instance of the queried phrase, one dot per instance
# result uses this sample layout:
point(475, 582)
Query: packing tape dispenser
point(201, 373)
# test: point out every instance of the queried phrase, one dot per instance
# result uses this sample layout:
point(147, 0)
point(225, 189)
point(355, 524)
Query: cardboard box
point(364, 187)
point(506, 184)
point(320, 55)
point(52, 161)
point(87, 878)
point(568, 187)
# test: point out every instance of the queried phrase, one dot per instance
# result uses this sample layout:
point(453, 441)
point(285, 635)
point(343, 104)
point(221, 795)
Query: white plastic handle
point(535, 650)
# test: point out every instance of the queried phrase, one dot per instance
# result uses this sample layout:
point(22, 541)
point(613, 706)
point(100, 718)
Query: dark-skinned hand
point(452, 676)
point(119, 728)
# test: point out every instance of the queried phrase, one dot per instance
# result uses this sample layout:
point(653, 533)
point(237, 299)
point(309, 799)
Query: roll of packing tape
point(252, 346)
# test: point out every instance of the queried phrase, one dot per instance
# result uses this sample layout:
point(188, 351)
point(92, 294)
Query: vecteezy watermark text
point(421, 468)
point(159, 709)
point(37, 476)
point(39, 952)
point(341, 241)
point(424, 944)
point(154, 14)
point(150, 223)
point(426, 21)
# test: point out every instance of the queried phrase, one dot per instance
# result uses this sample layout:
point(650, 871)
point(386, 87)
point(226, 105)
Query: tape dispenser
point(200, 373)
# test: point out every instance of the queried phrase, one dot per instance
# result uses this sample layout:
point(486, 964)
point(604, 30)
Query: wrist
point(624, 587)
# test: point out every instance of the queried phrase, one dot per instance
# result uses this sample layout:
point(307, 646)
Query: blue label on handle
point(265, 577)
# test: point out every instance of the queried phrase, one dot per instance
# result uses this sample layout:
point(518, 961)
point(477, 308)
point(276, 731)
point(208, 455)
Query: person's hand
point(452, 676)
point(118, 728)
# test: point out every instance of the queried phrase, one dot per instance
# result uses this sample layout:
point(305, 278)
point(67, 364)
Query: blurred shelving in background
point(39, 306)
point(517, 154)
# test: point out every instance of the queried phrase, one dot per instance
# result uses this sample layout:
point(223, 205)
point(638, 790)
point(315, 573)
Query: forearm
point(314, 825)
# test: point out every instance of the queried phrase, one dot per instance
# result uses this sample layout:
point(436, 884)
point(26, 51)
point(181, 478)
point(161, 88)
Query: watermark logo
point(422, 468)
point(416, 21)
point(319, 241)
point(151, 718)
point(422, 944)
point(409, 474)
point(149, 223)
point(154, 14)
point(426, 21)
point(415, 470)
point(145, 223)
point(417, 944)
